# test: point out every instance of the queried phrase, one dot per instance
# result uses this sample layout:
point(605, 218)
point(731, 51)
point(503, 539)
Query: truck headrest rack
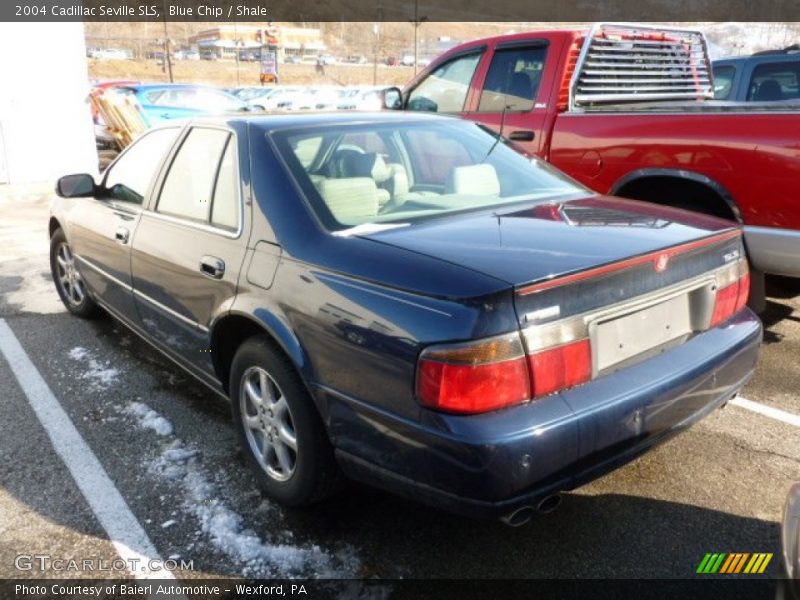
point(621, 63)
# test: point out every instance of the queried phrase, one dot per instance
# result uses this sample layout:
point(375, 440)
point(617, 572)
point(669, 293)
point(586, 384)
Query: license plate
point(621, 338)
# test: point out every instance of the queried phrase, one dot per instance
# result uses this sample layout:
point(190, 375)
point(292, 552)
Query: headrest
point(477, 180)
point(370, 164)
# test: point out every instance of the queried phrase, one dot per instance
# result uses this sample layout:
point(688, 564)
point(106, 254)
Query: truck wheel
point(757, 300)
point(279, 428)
point(70, 285)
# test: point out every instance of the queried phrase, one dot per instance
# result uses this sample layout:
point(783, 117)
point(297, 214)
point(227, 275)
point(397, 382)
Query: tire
point(69, 283)
point(297, 476)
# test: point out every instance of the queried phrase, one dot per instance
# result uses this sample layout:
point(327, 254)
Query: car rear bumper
point(492, 464)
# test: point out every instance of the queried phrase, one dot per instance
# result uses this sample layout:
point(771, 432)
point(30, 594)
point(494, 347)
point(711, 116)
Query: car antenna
point(499, 133)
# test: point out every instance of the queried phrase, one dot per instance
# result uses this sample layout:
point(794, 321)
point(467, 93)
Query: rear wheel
point(69, 283)
point(279, 427)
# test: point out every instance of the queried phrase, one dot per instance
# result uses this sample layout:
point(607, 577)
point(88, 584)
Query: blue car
point(159, 103)
point(403, 299)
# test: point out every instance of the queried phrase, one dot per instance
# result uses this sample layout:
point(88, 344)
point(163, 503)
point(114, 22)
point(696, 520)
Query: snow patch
point(181, 463)
point(149, 419)
point(99, 374)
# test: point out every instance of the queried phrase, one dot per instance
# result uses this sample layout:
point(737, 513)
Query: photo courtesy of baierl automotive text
point(399, 300)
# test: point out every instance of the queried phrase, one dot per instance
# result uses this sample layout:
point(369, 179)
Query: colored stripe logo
point(734, 563)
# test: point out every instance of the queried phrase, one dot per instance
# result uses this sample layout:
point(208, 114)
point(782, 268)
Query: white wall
point(44, 112)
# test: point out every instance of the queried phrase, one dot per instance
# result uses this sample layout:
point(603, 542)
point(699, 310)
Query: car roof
point(143, 87)
point(283, 120)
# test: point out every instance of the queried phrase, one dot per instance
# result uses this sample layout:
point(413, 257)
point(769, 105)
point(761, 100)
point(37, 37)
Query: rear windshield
point(394, 173)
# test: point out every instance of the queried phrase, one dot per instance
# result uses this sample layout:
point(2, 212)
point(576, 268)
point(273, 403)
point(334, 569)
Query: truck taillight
point(474, 377)
point(733, 288)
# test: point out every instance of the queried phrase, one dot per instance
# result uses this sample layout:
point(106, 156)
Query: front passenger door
point(189, 246)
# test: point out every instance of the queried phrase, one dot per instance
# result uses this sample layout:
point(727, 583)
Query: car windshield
point(374, 175)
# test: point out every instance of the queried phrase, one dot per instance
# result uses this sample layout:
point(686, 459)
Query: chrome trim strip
point(104, 273)
point(540, 337)
point(166, 309)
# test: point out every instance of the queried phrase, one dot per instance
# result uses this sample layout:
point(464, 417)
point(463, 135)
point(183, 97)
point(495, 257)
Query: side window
point(723, 81)
point(775, 81)
point(513, 79)
point(188, 188)
point(225, 205)
point(445, 90)
point(129, 177)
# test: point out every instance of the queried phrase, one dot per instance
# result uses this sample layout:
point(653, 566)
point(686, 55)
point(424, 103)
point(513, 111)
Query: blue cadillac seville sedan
point(403, 300)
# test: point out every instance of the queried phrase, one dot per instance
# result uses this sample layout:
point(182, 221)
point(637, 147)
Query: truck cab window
point(445, 90)
point(723, 81)
point(513, 79)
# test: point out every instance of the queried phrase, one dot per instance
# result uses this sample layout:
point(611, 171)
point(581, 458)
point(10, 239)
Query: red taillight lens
point(732, 297)
point(560, 367)
point(473, 378)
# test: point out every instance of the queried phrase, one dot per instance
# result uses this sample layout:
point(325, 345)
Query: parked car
point(161, 102)
point(208, 55)
point(789, 582)
point(633, 123)
point(404, 299)
point(292, 59)
point(769, 76)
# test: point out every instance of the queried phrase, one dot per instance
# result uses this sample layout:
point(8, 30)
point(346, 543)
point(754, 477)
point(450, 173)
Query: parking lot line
point(124, 531)
point(767, 411)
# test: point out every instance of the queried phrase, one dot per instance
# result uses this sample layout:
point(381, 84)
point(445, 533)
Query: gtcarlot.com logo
point(46, 562)
point(734, 563)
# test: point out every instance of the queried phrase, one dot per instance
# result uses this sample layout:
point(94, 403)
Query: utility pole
point(167, 60)
point(417, 22)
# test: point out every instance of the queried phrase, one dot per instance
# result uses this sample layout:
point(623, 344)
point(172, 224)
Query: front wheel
point(279, 428)
point(70, 285)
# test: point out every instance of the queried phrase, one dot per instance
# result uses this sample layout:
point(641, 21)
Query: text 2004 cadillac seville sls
point(405, 300)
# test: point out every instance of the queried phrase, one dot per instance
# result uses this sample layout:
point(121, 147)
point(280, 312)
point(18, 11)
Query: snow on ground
point(149, 418)
point(99, 375)
point(25, 282)
point(180, 463)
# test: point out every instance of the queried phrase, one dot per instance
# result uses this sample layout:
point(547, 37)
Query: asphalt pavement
point(168, 448)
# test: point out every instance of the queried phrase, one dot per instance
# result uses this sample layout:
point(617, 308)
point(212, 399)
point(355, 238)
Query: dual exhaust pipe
point(524, 514)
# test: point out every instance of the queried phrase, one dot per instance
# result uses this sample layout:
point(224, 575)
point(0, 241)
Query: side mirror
point(392, 98)
point(76, 186)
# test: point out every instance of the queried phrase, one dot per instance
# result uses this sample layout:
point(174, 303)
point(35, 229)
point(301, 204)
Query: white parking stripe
point(767, 411)
point(124, 531)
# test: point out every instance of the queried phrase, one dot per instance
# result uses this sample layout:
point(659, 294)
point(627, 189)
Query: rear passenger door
point(188, 249)
point(513, 95)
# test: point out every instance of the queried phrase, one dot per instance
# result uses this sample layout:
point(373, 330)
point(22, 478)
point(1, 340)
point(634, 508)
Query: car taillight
point(560, 367)
point(733, 288)
point(474, 377)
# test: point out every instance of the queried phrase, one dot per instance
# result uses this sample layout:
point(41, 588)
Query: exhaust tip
point(519, 517)
point(549, 504)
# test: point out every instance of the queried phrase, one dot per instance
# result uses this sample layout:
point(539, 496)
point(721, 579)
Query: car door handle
point(213, 267)
point(121, 235)
point(522, 136)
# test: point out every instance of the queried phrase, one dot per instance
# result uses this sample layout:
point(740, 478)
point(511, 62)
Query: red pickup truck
point(628, 111)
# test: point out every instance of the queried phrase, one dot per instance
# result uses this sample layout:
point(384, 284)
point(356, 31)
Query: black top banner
point(399, 10)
